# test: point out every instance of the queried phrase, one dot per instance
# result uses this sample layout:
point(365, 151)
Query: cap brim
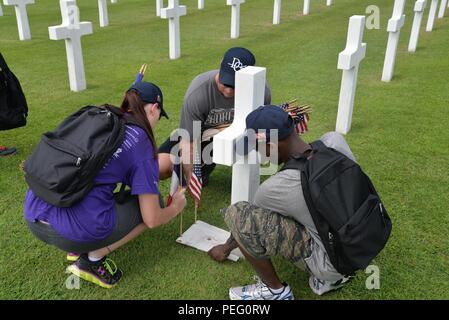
point(164, 114)
point(227, 79)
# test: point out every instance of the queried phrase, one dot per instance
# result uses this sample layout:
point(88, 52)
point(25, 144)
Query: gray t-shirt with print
point(282, 193)
point(203, 102)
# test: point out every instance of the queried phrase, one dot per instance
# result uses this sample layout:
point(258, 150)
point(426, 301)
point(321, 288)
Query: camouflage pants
point(264, 233)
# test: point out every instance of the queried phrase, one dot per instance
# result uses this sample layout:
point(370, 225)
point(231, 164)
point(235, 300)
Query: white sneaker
point(260, 291)
point(321, 287)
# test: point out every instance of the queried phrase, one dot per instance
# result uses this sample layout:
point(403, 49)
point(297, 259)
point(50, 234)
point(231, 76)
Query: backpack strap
point(299, 162)
point(120, 196)
point(128, 118)
point(295, 163)
point(318, 145)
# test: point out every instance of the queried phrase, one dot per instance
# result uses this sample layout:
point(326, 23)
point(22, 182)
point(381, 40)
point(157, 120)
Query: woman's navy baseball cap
point(259, 123)
point(150, 93)
point(234, 60)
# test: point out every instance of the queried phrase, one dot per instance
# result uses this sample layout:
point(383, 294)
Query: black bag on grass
point(62, 168)
point(13, 105)
point(345, 207)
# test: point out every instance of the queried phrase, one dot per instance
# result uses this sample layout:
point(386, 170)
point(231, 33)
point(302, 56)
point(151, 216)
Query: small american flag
point(196, 180)
point(175, 182)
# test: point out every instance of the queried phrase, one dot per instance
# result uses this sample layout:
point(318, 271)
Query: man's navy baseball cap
point(234, 60)
point(258, 126)
point(150, 93)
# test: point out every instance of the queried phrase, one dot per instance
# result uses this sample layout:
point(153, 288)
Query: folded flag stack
point(299, 113)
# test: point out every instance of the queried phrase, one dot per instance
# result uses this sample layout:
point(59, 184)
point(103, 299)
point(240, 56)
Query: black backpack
point(13, 105)
point(62, 168)
point(345, 207)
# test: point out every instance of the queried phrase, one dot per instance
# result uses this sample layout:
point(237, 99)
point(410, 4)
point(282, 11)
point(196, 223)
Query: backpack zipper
point(331, 238)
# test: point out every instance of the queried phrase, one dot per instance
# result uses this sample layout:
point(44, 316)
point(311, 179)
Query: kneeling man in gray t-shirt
point(279, 221)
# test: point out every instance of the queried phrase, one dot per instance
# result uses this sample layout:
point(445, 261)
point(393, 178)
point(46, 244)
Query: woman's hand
point(179, 200)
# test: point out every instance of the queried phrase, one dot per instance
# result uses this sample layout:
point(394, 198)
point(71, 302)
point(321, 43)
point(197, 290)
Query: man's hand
point(220, 253)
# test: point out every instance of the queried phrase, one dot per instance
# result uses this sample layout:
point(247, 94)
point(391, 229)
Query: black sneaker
point(103, 273)
point(4, 151)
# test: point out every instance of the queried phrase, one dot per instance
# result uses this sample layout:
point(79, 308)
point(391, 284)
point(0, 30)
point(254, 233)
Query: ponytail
point(133, 104)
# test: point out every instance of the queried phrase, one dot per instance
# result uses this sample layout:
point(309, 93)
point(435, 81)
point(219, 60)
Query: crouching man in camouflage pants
point(279, 221)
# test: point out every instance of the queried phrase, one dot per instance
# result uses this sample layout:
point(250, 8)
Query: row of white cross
point(23, 25)
point(72, 29)
point(355, 51)
point(175, 12)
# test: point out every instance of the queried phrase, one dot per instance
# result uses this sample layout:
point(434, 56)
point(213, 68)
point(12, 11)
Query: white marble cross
point(71, 30)
point(103, 13)
point(329, 2)
point(235, 17)
point(22, 17)
point(249, 95)
point(1, 9)
point(349, 61)
point(200, 4)
point(442, 9)
point(277, 11)
point(306, 9)
point(394, 28)
point(432, 15)
point(173, 12)
point(420, 6)
point(159, 6)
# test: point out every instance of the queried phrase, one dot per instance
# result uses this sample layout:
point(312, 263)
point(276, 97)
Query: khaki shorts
point(264, 233)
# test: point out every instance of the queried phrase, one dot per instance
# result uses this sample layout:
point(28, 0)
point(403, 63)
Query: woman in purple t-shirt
point(98, 224)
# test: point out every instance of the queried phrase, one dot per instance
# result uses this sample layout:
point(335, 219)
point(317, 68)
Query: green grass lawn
point(399, 134)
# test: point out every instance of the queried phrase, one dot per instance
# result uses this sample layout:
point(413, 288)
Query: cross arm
point(351, 57)
point(420, 5)
point(355, 50)
point(234, 2)
point(64, 32)
point(397, 20)
point(168, 13)
point(16, 2)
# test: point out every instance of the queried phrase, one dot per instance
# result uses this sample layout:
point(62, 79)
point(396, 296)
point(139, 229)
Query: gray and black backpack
point(351, 220)
point(62, 168)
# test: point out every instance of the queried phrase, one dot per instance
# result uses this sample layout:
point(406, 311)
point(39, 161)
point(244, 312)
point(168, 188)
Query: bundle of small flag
point(141, 73)
point(299, 113)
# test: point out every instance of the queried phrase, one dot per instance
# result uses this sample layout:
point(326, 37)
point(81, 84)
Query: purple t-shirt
point(94, 217)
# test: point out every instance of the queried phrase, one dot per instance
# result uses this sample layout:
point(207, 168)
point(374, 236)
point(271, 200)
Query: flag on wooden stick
point(196, 180)
point(175, 182)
